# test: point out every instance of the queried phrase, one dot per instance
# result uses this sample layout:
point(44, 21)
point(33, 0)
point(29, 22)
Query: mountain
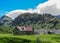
point(37, 21)
point(5, 20)
point(58, 16)
point(5, 24)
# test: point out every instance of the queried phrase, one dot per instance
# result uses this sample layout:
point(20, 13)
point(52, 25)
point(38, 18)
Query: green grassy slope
point(9, 38)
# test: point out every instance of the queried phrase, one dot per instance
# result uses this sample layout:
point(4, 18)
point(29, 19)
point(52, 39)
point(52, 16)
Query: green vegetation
point(9, 38)
point(5, 30)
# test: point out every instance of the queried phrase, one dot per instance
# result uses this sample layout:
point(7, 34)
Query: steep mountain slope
point(37, 21)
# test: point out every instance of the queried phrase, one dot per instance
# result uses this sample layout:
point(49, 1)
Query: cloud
point(51, 7)
point(15, 13)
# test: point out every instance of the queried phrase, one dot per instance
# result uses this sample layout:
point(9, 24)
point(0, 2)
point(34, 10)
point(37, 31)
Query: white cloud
point(15, 13)
point(50, 7)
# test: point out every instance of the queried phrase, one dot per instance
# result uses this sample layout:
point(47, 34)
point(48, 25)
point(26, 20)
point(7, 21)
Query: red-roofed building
point(23, 30)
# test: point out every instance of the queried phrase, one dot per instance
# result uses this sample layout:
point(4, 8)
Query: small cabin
point(21, 30)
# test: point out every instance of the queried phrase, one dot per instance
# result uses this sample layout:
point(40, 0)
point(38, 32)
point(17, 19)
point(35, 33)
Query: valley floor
point(43, 38)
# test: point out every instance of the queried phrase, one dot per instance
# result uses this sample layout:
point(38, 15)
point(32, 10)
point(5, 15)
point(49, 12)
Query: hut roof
point(24, 28)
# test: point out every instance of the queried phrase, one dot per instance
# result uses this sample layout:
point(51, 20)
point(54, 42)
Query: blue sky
point(9, 5)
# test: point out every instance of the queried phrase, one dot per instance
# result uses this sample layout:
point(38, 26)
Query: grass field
point(9, 38)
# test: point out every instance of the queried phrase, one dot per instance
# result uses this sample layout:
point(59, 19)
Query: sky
point(9, 5)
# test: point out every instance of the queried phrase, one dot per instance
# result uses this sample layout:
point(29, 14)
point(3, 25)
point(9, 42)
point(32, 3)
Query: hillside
point(37, 21)
point(5, 24)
